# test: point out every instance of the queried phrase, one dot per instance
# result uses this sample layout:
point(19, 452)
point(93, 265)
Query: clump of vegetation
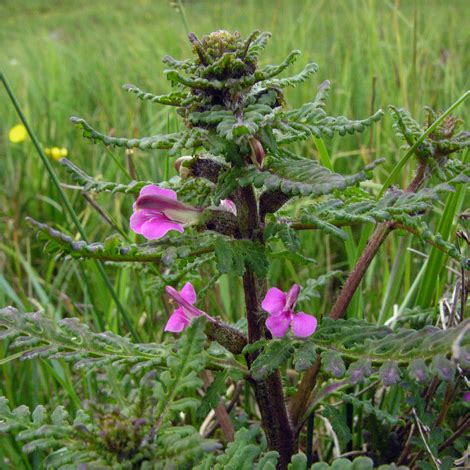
point(315, 386)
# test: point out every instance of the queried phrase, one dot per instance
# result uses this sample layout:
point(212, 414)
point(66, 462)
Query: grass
point(66, 58)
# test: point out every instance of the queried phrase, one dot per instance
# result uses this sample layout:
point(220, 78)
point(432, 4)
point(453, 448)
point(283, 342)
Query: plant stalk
point(268, 392)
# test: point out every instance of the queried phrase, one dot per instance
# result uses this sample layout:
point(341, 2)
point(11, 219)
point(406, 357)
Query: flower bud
point(180, 167)
point(257, 152)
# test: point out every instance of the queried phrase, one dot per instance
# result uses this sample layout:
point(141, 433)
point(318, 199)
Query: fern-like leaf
point(172, 142)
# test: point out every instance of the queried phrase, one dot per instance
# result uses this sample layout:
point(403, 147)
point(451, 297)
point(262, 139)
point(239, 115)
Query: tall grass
point(66, 58)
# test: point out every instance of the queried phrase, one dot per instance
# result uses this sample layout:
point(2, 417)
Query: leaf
point(75, 342)
point(297, 176)
point(369, 409)
point(338, 422)
point(301, 77)
point(239, 455)
point(274, 356)
point(234, 256)
point(213, 393)
point(389, 372)
point(268, 461)
point(304, 356)
point(358, 339)
point(195, 191)
point(176, 98)
point(333, 364)
point(181, 377)
point(311, 119)
point(187, 139)
point(285, 233)
point(114, 250)
point(298, 462)
point(444, 368)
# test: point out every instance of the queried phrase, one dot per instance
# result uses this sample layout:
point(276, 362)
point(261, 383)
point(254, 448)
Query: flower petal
point(278, 325)
point(188, 293)
point(303, 325)
point(138, 218)
point(274, 301)
point(177, 321)
point(158, 226)
point(17, 134)
point(155, 190)
point(189, 310)
point(292, 296)
point(229, 205)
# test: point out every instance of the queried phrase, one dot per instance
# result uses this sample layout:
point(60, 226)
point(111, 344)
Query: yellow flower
point(17, 134)
point(56, 153)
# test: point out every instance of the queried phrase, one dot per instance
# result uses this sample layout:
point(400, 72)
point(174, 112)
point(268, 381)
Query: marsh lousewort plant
point(230, 211)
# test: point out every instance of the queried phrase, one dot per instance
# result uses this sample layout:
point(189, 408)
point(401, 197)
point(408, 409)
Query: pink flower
point(280, 307)
point(157, 211)
point(229, 205)
point(186, 310)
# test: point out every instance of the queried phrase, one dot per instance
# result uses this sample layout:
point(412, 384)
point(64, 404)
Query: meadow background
point(65, 58)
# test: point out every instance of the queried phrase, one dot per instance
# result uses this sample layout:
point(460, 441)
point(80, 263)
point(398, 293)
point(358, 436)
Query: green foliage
point(239, 455)
point(234, 256)
point(285, 233)
point(364, 345)
point(359, 463)
point(181, 378)
point(196, 191)
point(405, 209)
point(338, 423)
point(298, 176)
point(110, 436)
point(171, 142)
point(113, 249)
point(235, 109)
point(442, 142)
point(69, 339)
point(369, 409)
point(311, 120)
point(275, 354)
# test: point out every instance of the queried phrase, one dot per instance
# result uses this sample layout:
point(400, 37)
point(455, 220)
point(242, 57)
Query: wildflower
point(280, 307)
point(157, 211)
point(56, 153)
point(229, 205)
point(466, 396)
point(17, 134)
point(186, 310)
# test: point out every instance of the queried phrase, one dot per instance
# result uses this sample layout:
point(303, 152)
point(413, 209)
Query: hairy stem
point(269, 393)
